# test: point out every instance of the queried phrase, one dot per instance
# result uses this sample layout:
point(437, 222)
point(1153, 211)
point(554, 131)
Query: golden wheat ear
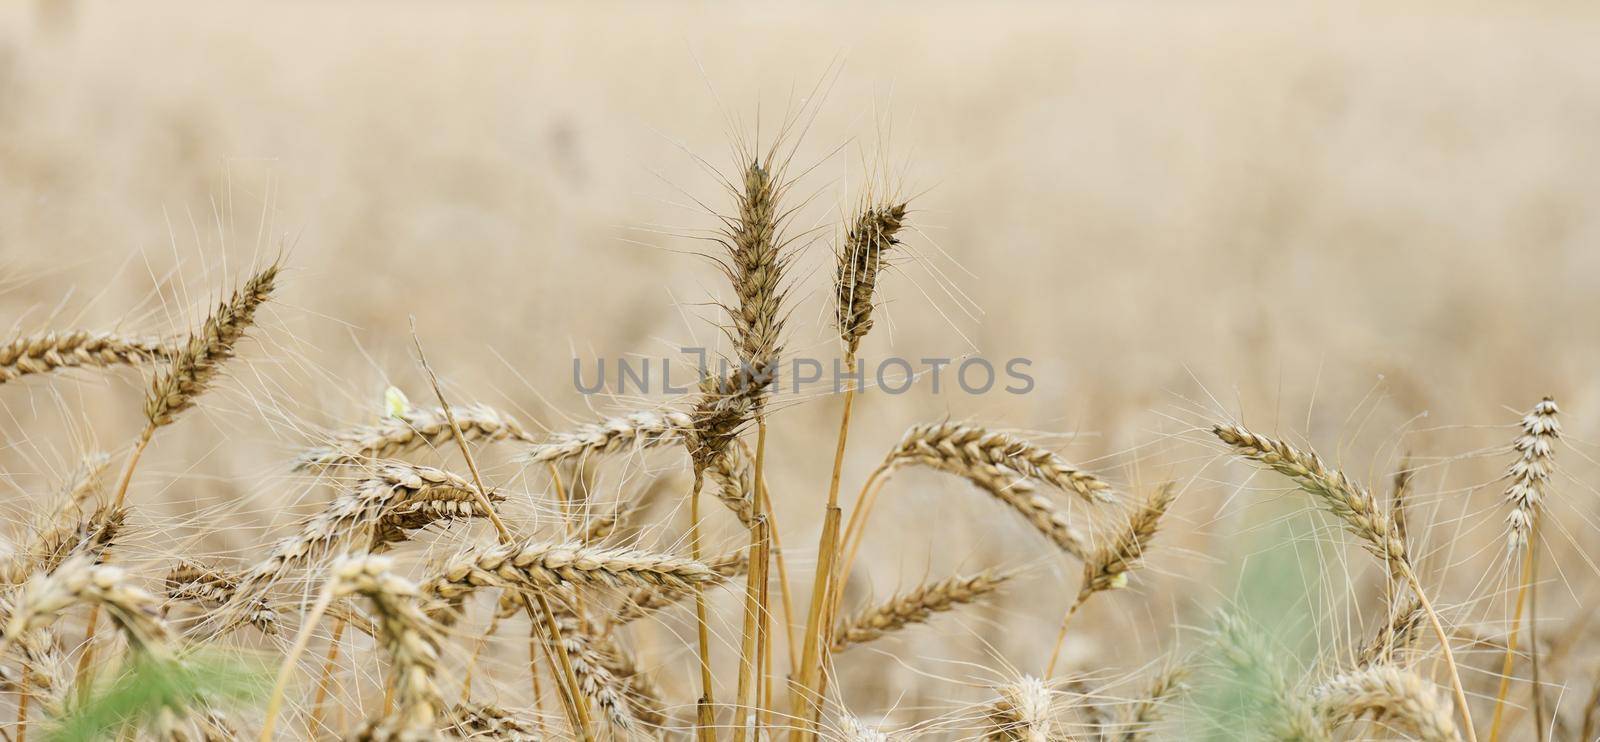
point(915, 606)
point(870, 236)
point(196, 364)
point(55, 351)
point(1387, 694)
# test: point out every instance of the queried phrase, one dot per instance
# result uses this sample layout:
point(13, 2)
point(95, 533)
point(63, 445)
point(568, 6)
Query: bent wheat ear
point(595, 678)
point(635, 431)
point(724, 407)
point(1531, 471)
point(396, 436)
point(1018, 494)
point(1391, 696)
point(197, 363)
point(860, 260)
point(55, 351)
point(961, 449)
point(915, 606)
point(89, 537)
point(411, 640)
point(1348, 501)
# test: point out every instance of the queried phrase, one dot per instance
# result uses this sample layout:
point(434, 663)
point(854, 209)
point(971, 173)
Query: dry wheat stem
point(915, 606)
point(55, 351)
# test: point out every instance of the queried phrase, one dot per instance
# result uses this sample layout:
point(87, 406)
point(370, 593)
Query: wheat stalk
point(54, 351)
point(1388, 695)
point(915, 606)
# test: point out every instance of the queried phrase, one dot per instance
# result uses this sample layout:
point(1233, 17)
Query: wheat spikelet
point(1531, 471)
point(397, 435)
point(724, 406)
point(1259, 672)
point(1391, 696)
point(53, 351)
point(1024, 712)
point(648, 600)
point(860, 259)
point(1146, 711)
point(1107, 568)
point(635, 431)
point(483, 721)
point(411, 641)
point(540, 566)
point(1018, 493)
point(960, 449)
point(192, 582)
point(198, 361)
point(1348, 501)
point(915, 606)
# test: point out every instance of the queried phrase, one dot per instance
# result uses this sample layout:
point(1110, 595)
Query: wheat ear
point(871, 234)
point(484, 721)
point(1108, 567)
point(1358, 509)
point(395, 436)
point(1024, 712)
point(1145, 712)
point(54, 351)
point(1529, 476)
point(410, 639)
point(1388, 695)
point(1258, 670)
point(635, 431)
point(915, 606)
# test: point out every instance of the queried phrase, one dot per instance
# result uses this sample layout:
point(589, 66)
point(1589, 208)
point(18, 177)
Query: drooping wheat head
point(961, 449)
point(411, 641)
point(397, 435)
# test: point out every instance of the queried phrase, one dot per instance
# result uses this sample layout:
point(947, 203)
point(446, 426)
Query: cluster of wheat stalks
point(582, 588)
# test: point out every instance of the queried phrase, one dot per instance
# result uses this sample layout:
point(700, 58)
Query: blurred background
point(1367, 226)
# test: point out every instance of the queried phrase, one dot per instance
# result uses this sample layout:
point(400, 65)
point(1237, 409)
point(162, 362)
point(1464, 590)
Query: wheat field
point(291, 445)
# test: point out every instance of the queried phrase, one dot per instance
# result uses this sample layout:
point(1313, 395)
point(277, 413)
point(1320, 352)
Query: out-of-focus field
point(1369, 227)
